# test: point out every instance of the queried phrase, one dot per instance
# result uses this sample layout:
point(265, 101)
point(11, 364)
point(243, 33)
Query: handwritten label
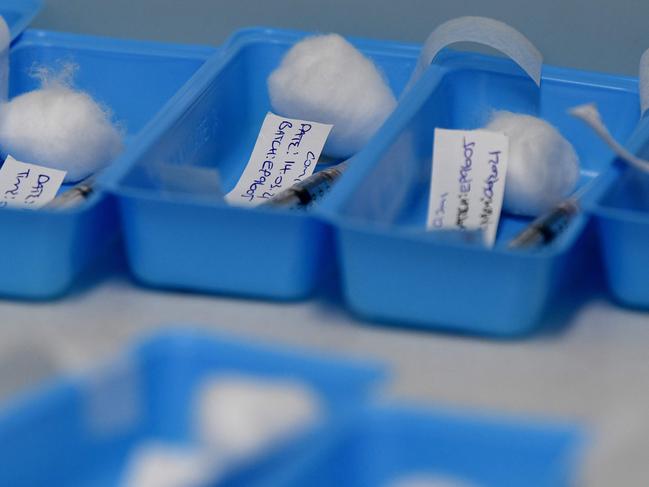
point(25, 185)
point(468, 183)
point(286, 152)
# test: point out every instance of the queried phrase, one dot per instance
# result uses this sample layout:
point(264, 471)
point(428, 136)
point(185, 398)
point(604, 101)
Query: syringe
point(547, 227)
point(73, 196)
point(313, 188)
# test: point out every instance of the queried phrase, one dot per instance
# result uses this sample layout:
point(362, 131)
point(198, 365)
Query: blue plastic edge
point(28, 9)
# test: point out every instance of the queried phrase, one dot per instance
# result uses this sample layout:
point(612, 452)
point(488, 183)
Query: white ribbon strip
point(481, 30)
point(644, 81)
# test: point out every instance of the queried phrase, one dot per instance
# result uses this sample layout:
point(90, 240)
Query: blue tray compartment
point(48, 438)
point(620, 207)
point(45, 250)
point(394, 271)
point(184, 241)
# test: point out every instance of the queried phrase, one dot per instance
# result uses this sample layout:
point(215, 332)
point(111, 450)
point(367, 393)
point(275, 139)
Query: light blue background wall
point(602, 35)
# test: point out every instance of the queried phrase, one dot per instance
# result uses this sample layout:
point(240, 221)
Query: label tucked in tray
point(468, 182)
point(286, 152)
point(24, 185)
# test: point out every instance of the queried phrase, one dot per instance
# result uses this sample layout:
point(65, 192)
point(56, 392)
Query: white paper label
point(25, 185)
point(286, 152)
point(468, 182)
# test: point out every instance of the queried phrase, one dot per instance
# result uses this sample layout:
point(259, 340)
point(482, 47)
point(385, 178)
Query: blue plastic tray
point(185, 241)
point(620, 206)
point(43, 251)
point(382, 445)
point(80, 431)
point(19, 13)
point(394, 271)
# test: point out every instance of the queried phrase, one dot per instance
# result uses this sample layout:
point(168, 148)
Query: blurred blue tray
point(45, 251)
point(394, 271)
point(384, 444)
point(79, 431)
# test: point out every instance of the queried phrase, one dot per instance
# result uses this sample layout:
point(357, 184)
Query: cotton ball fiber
point(543, 167)
point(60, 128)
point(238, 417)
point(428, 481)
point(326, 79)
point(156, 464)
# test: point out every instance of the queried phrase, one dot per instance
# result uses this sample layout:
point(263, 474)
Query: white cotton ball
point(428, 481)
point(543, 167)
point(326, 79)
point(238, 417)
point(59, 128)
point(155, 464)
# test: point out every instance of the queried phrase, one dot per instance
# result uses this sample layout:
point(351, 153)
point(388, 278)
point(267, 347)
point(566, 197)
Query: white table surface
point(595, 370)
